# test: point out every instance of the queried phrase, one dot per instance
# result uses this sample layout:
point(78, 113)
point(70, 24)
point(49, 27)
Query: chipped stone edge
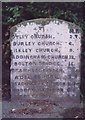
point(43, 21)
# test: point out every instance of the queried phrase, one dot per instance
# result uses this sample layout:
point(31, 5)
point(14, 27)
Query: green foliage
point(17, 12)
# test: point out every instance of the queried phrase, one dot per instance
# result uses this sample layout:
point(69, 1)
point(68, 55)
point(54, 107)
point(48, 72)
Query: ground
point(41, 109)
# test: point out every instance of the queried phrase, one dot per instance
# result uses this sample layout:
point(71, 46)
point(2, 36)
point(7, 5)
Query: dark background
point(16, 12)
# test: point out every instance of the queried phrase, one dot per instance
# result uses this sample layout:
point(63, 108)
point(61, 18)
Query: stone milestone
point(45, 60)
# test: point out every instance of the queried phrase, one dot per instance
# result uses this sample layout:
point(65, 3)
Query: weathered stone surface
point(45, 60)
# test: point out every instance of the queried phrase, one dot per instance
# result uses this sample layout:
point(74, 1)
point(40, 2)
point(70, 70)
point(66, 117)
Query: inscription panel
point(45, 61)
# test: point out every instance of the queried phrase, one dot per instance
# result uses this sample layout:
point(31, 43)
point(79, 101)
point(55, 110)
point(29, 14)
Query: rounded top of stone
point(44, 21)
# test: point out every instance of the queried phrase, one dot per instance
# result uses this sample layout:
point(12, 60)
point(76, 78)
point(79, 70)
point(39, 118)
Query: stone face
point(45, 60)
